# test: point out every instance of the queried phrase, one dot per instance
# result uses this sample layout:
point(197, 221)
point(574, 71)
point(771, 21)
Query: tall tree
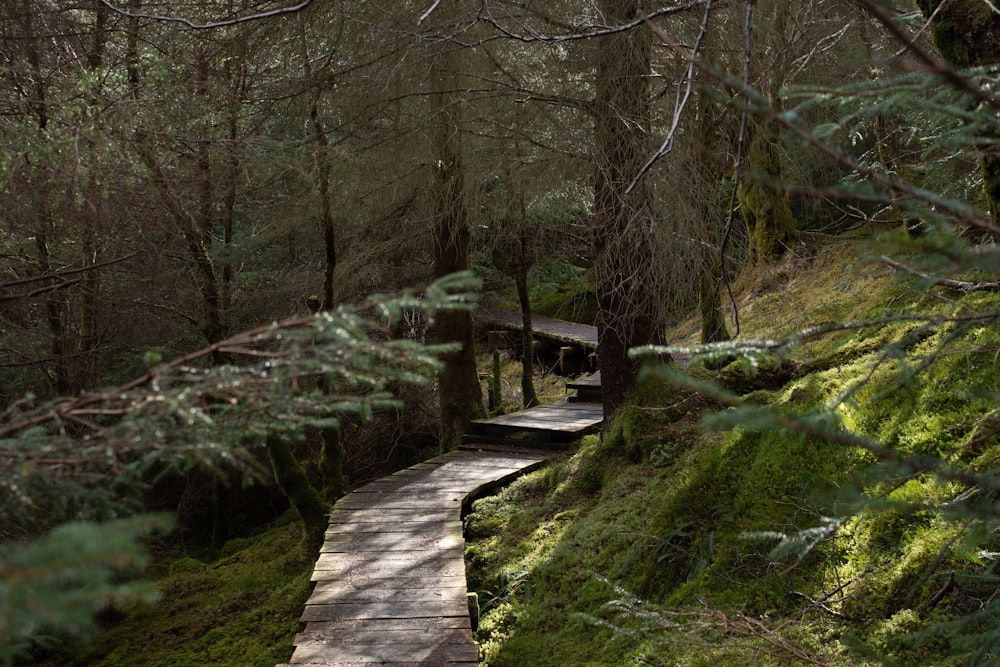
point(967, 34)
point(460, 396)
point(628, 299)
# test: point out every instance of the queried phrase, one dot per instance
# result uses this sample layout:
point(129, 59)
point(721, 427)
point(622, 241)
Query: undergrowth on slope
point(666, 544)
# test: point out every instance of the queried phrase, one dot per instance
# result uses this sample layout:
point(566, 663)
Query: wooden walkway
point(390, 581)
point(571, 333)
point(552, 423)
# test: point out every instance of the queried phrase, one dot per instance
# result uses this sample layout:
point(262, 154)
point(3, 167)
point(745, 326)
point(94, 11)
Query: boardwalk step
point(588, 390)
point(560, 422)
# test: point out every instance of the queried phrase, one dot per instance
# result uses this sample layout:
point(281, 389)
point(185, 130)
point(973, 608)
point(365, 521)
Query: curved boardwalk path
point(390, 580)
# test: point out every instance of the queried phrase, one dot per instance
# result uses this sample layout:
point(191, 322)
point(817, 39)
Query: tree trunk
point(331, 465)
point(292, 480)
point(628, 300)
point(967, 33)
point(527, 346)
point(324, 176)
point(713, 322)
point(710, 275)
point(460, 396)
point(763, 202)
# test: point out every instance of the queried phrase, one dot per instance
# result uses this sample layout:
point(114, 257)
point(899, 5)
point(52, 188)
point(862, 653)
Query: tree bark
point(763, 202)
point(292, 480)
point(628, 301)
point(519, 265)
point(460, 396)
point(967, 34)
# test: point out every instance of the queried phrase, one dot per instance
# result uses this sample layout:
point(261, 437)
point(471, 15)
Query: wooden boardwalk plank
point(562, 418)
point(388, 653)
point(544, 327)
point(390, 581)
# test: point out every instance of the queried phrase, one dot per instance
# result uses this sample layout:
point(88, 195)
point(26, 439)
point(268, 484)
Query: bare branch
point(682, 101)
point(596, 31)
point(959, 285)
point(429, 11)
point(191, 25)
point(68, 272)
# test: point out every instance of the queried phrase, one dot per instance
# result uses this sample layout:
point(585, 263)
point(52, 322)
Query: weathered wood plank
point(394, 515)
point(390, 542)
point(348, 528)
point(421, 635)
point(393, 609)
point(390, 581)
point(389, 653)
point(544, 327)
point(347, 626)
point(383, 569)
point(337, 594)
point(567, 423)
point(384, 664)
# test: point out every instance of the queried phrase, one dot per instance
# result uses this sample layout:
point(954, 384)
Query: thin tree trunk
point(519, 265)
point(324, 175)
point(306, 500)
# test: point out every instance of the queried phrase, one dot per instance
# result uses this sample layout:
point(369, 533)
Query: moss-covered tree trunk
point(460, 397)
point(306, 500)
point(967, 34)
point(331, 465)
point(763, 201)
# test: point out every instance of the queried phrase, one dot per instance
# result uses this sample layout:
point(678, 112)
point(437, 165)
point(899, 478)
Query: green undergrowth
point(683, 538)
point(239, 607)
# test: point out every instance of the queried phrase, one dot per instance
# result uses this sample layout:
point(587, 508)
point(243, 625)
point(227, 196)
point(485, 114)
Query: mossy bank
point(669, 543)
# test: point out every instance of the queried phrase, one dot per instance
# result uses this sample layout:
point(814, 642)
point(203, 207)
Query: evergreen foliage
point(70, 467)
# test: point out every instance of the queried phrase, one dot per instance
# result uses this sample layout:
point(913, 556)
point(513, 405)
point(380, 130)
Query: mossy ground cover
point(238, 607)
point(662, 543)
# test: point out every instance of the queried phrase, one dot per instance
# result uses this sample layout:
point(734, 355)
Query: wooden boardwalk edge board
point(389, 583)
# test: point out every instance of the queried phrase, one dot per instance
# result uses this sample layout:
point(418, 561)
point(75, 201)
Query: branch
point(430, 10)
point(191, 25)
point(936, 66)
point(959, 285)
point(595, 31)
point(69, 272)
point(668, 142)
point(40, 290)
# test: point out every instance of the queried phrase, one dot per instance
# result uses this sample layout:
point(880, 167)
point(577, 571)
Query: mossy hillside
point(240, 608)
point(679, 516)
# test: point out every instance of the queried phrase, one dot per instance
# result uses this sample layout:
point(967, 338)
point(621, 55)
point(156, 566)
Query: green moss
point(665, 511)
point(241, 610)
